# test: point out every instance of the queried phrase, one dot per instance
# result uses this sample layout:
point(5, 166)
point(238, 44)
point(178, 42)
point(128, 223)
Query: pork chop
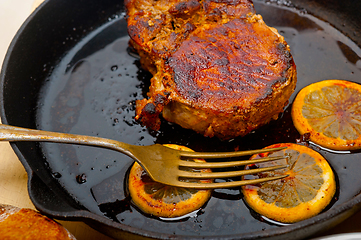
point(217, 67)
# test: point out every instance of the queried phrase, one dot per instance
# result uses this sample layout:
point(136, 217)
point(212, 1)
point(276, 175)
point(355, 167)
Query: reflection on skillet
point(93, 89)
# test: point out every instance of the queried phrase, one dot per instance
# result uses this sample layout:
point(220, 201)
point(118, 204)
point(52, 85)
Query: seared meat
point(217, 67)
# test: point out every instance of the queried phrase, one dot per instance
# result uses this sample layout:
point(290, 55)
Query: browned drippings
point(93, 89)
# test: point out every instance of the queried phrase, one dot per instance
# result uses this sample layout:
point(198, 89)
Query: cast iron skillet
point(46, 36)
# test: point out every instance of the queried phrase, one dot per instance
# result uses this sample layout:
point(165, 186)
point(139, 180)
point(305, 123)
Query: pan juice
point(93, 89)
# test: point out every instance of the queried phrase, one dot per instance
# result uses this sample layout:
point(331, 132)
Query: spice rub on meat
point(217, 67)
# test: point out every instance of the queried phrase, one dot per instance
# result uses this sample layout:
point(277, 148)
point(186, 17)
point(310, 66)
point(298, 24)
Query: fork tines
point(227, 174)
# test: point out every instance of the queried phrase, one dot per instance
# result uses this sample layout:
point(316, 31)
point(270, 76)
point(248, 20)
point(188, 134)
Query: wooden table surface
point(13, 190)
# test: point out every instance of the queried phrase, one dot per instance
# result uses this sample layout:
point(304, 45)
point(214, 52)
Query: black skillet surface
point(68, 70)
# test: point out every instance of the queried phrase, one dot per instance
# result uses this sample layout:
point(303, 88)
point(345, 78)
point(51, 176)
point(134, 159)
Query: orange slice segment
point(330, 112)
point(162, 200)
point(307, 190)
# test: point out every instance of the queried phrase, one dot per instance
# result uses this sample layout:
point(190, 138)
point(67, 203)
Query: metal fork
point(163, 164)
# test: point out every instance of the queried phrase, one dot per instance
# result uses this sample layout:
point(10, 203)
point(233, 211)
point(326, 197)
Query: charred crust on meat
point(217, 67)
point(227, 8)
point(214, 15)
point(159, 99)
point(283, 48)
point(166, 93)
point(189, 27)
point(149, 109)
point(148, 115)
point(185, 8)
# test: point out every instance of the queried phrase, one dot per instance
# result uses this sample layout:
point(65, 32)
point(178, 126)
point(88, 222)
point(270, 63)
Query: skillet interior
point(31, 58)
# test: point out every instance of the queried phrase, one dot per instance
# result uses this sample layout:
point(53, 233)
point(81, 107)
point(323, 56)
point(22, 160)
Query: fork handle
point(12, 133)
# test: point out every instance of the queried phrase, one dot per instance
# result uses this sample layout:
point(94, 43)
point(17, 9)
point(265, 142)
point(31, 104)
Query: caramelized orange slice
point(330, 111)
point(307, 190)
point(162, 200)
